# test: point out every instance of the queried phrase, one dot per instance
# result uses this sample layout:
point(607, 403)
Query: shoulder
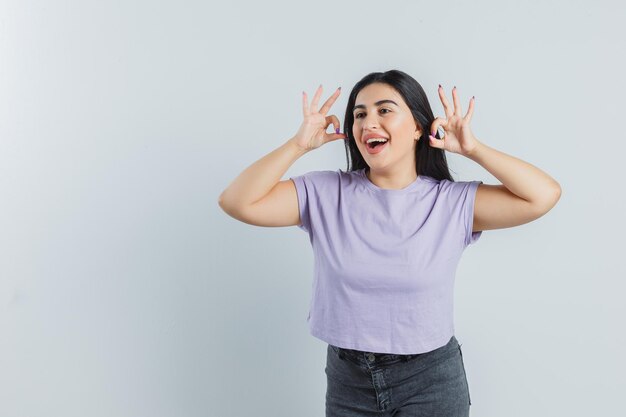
point(457, 187)
point(323, 178)
point(457, 193)
point(318, 175)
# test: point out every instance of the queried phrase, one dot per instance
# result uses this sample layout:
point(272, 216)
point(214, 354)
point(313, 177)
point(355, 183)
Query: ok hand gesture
point(312, 133)
point(458, 137)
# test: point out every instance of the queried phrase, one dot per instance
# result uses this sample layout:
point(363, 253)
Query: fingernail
point(337, 130)
point(439, 85)
point(339, 88)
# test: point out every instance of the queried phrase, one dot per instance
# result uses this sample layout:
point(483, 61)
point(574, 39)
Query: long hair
point(429, 161)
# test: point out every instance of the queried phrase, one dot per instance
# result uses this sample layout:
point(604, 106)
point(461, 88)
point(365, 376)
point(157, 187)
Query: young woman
point(387, 237)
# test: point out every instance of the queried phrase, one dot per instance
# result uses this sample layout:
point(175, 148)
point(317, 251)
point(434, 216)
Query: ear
point(418, 131)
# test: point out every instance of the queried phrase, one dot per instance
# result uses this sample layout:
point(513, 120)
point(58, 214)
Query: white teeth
point(376, 140)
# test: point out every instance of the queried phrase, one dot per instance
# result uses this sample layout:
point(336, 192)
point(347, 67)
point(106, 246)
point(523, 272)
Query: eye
point(357, 116)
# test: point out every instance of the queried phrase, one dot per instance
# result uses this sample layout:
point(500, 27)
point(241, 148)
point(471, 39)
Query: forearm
point(521, 178)
point(259, 178)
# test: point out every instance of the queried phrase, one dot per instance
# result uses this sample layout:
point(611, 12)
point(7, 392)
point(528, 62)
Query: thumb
point(334, 120)
point(435, 143)
point(335, 136)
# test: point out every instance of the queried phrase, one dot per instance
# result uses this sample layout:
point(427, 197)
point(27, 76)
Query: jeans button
point(370, 357)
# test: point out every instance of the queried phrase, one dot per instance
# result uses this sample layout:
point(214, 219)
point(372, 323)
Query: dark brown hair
point(429, 161)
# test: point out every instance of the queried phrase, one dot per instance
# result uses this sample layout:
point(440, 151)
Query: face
point(381, 112)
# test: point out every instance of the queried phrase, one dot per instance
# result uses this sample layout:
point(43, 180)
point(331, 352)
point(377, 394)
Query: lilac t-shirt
point(385, 260)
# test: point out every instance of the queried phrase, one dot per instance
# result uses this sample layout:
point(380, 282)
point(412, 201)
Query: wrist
point(297, 149)
point(477, 150)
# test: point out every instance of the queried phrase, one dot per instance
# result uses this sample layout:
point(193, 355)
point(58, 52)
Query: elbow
point(230, 208)
point(548, 203)
point(556, 189)
point(556, 194)
point(224, 205)
point(225, 200)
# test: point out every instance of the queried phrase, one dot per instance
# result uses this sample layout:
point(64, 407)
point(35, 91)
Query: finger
point(438, 122)
point(470, 110)
point(305, 105)
point(335, 136)
point(457, 103)
point(331, 100)
point(432, 138)
point(436, 143)
point(316, 99)
point(334, 120)
point(446, 106)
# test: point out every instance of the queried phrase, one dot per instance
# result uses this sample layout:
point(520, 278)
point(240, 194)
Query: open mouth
point(376, 145)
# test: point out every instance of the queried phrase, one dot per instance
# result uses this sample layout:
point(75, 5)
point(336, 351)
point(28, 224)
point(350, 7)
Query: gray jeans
point(432, 384)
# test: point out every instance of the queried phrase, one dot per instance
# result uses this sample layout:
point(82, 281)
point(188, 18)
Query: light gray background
point(126, 291)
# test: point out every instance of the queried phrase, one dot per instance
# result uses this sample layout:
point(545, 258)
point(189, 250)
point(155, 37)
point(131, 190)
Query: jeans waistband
point(361, 357)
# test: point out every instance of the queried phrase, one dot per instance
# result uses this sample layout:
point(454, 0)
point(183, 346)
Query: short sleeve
point(468, 197)
point(302, 189)
point(459, 196)
point(317, 191)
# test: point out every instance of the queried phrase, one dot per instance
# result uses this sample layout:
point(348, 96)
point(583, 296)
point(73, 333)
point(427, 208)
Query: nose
point(370, 122)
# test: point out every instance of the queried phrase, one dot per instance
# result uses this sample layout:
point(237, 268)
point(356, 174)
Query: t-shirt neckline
point(369, 184)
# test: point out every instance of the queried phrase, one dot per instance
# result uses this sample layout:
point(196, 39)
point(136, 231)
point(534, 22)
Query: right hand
point(312, 133)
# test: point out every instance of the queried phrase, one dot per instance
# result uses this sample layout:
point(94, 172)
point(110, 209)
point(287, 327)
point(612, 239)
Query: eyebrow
point(378, 103)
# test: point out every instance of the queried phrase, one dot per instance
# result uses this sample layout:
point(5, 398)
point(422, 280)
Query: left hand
point(458, 137)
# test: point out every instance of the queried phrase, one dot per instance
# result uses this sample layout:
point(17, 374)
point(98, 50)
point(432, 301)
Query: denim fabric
point(430, 384)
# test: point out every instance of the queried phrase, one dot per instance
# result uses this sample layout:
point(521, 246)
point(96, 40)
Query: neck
point(396, 180)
